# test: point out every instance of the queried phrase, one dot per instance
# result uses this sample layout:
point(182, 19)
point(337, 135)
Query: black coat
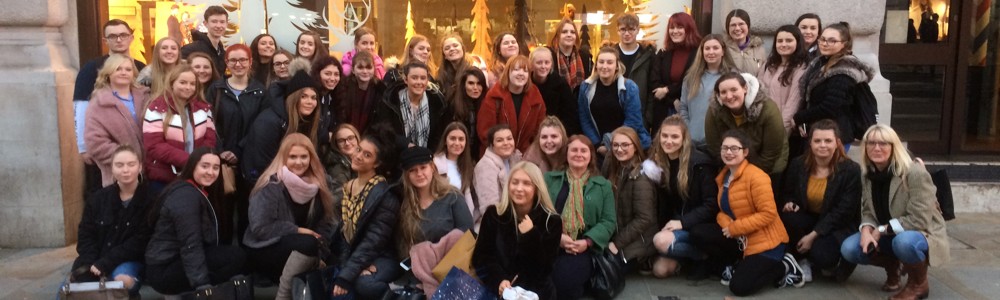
point(233, 117)
point(387, 111)
point(660, 76)
point(261, 143)
point(503, 252)
point(560, 101)
point(185, 225)
point(348, 102)
point(202, 44)
point(701, 205)
point(830, 94)
point(841, 211)
point(110, 233)
point(374, 234)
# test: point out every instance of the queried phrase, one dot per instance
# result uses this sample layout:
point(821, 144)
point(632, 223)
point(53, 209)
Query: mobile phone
point(871, 248)
point(405, 264)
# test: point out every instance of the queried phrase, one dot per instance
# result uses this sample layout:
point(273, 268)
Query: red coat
point(165, 150)
point(523, 124)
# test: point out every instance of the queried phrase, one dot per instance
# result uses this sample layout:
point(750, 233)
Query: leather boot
point(891, 266)
point(917, 286)
point(296, 264)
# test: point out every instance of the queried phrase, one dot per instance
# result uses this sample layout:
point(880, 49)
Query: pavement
point(974, 273)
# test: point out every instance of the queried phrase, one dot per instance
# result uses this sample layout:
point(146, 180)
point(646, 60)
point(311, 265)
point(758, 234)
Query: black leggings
point(753, 273)
point(270, 260)
point(223, 262)
point(825, 251)
point(570, 274)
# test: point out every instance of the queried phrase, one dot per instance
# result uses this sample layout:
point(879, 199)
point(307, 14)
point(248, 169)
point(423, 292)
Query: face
point(169, 52)
point(550, 140)
point(416, 81)
point(676, 33)
point(578, 155)
point(472, 87)
point(207, 169)
point(125, 167)
point(306, 46)
point(330, 77)
point(733, 152)
point(810, 30)
point(280, 63)
point(422, 51)
point(508, 46)
point(455, 142)
point(607, 66)
point(878, 149)
point(567, 35)
point(823, 143)
point(671, 139)
point(217, 25)
point(518, 76)
point(522, 190)
point(364, 72)
point(347, 141)
point(542, 63)
point(731, 93)
point(118, 38)
point(265, 46)
point(712, 52)
point(366, 43)
point(420, 175)
point(622, 147)
point(298, 160)
point(365, 159)
point(238, 63)
point(307, 104)
point(785, 43)
point(452, 50)
point(185, 85)
point(123, 75)
point(503, 143)
point(738, 29)
point(831, 42)
point(627, 34)
point(202, 69)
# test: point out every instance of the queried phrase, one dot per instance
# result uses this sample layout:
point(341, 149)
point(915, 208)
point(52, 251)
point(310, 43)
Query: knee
point(369, 288)
point(662, 241)
point(126, 280)
point(909, 247)
point(850, 249)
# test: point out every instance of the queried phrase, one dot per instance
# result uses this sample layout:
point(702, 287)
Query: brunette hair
point(321, 63)
point(739, 13)
point(819, 24)
point(845, 35)
point(692, 79)
point(256, 63)
point(408, 56)
point(613, 167)
point(838, 154)
point(174, 105)
point(215, 10)
point(116, 22)
point(628, 19)
point(498, 59)
point(798, 58)
point(592, 167)
point(556, 37)
point(271, 76)
point(320, 47)
point(460, 100)
point(348, 126)
point(449, 71)
point(360, 33)
point(464, 162)
point(691, 34)
point(211, 64)
point(410, 212)
point(558, 162)
point(662, 159)
point(295, 118)
point(493, 132)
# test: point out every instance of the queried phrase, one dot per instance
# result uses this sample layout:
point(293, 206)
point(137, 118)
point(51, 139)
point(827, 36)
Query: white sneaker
point(807, 272)
point(793, 273)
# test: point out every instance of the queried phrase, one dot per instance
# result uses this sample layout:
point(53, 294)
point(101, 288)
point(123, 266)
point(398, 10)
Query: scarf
point(572, 213)
point(351, 208)
point(300, 190)
point(571, 68)
point(416, 122)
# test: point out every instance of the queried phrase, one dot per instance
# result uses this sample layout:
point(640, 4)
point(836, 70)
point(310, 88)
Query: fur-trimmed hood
point(755, 41)
point(753, 101)
point(849, 65)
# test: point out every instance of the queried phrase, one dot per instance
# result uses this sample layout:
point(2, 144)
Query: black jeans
point(753, 273)
point(223, 262)
point(570, 274)
point(825, 251)
point(270, 261)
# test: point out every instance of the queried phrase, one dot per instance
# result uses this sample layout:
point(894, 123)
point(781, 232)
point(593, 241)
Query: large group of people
point(706, 154)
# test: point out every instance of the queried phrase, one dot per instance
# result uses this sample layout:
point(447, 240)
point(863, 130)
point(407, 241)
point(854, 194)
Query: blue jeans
point(910, 247)
point(682, 247)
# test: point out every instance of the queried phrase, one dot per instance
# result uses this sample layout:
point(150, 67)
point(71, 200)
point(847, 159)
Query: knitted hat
point(415, 156)
point(299, 81)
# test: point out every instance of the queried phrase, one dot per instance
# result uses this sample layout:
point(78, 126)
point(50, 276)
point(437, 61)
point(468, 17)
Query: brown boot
point(891, 266)
point(917, 286)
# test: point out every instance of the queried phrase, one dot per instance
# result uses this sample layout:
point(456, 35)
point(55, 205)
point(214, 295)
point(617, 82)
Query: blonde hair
point(174, 105)
point(619, 70)
point(660, 157)
point(557, 163)
point(692, 78)
point(110, 66)
point(408, 56)
point(899, 158)
point(534, 55)
point(410, 211)
point(315, 174)
point(541, 191)
point(159, 68)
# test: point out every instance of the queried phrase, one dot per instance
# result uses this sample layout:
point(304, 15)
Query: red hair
point(691, 36)
point(234, 47)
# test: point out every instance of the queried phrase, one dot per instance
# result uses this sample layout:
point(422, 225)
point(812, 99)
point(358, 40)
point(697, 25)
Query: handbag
point(460, 285)
point(459, 256)
point(102, 290)
point(238, 288)
point(608, 279)
point(945, 199)
point(228, 179)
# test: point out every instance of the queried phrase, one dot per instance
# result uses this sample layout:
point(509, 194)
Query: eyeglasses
point(629, 30)
point(879, 144)
point(118, 37)
point(621, 145)
point(241, 61)
point(828, 41)
point(341, 141)
point(281, 63)
point(731, 149)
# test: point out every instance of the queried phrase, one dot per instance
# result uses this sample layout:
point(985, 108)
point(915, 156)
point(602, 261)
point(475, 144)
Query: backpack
point(864, 110)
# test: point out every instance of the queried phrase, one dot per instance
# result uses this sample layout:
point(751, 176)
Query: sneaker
point(843, 270)
point(807, 271)
point(793, 273)
point(727, 275)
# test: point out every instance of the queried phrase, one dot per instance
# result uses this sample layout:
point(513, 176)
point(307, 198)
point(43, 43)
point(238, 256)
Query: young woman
point(742, 106)
point(369, 212)
point(493, 168)
point(821, 202)
point(418, 49)
point(115, 117)
point(174, 124)
point(676, 57)
point(685, 189)
point(608, 100)
point(696, 93)
point(453, 64)
point(780, 75)
point(749, 221)
point(899, 218)
point(431, 207)
point(454, 161)
point(556, 93)
point(414, 110)
point(204, 69)
point(292, 214)
point(573, 64)
point(309, 45)
point(548, 151)
point(166, 56)
point(279, 67)
point(809, 25)
point(262, 50)
point(326, 71)
point(364, 41)
point(465, 101)
point(338, 159)
point(586, 202)
point(829, 80)
point(635, 198)
point(514, 101)
point(505, 47)
point(519, 238)
point(360, 94)
point(113, 231)
point(183, 253)
point(747, 51)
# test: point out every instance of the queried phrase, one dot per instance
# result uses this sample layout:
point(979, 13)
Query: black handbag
point(945, 199)
point(608, 279)
point(238, 288)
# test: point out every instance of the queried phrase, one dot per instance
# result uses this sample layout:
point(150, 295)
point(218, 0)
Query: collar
point(130, 98)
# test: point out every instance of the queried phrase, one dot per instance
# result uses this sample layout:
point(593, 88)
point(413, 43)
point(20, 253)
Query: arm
point(567, 111)
point(644, 218)
point(713, 134)
point(185, 215)
point(99, 143)
point(837, 95)
point(486, 254)
point(587, 125)
point(707, 206)
point(83, 88)
point(373, 241)
point(88, 242)
point(485, 119)
point(156, 144)
point(601, 231)
point(265, 224)
point(765, 210)
point(460, 213)
point(922, 202)
point(487, 189)
point(684, 105)
point(791, 104)
point(774, 140)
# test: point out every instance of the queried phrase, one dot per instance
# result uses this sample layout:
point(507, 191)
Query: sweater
point(762, 125)
point(752, 202)
point(788, 98)
point(165, 153)
point(694, 109)
point(628, 97)
point(599, 214)
point(498, 108)
point(109, 124)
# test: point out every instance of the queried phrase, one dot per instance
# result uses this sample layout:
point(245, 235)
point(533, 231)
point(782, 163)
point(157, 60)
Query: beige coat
point(750, 58)
point(913, 202)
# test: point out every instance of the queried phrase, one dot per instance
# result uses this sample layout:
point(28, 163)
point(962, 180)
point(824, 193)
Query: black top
point(560, 101)
point(628, 60)
point(611, 113)
point(672, 192)
point(880, 194)
point(505, 253)
point(518, 99)
point(300, 212)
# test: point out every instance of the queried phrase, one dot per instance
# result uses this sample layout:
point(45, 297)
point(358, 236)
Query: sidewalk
point(972, 274)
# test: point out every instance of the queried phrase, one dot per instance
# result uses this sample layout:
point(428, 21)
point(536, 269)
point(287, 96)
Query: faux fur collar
point(849, 65)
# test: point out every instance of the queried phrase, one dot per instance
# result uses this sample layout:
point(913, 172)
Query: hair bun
point(845, 24)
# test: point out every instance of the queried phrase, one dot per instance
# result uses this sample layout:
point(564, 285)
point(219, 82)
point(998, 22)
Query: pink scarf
point(300, 190)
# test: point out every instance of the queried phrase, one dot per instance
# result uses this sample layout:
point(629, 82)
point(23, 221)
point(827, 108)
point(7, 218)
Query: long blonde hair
point(175, 105)
point(692, 79)
point(410, 211)
point(315, 174)
point(541, 190)
point(408, 56)
point(159, 68)
point(662, 160)
point(900, 160)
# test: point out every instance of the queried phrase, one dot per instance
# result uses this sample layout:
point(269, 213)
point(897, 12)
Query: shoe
point(793, 273)
point(807, 271)
point(892, 272)
point(646, 267)
point(700, 270)
point(843, 270)
point(727, 275)
point(917, 286)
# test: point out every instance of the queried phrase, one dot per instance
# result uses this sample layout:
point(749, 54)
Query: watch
point(881, 229)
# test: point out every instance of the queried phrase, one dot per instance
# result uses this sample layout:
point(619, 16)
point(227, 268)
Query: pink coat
point(109, 124)
point(491, 175)
point(165, 155)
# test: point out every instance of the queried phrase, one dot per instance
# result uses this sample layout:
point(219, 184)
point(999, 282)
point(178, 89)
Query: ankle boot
point(297, 263)
point(917, 286)
point(891, 266)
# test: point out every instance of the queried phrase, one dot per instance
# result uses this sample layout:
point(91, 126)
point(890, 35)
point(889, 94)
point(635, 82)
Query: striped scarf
point(416, 122)
point(572, 213)
point(571, 68)
point(351, 208)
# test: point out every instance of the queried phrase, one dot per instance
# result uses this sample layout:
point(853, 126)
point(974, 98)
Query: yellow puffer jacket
point(752, 202)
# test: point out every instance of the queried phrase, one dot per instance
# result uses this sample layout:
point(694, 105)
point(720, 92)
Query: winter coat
point(271, 217)
point(233, 115)
point(110, 233)
point(628, 97)
point(660, 77)
point(586, 59)
point(752, 202)
point(374, 234)
point(762, 124)
point(840, 213)
point(165, 155)
point(387, 111)
point(788, 98)
point(750, 58)
point(559, 101)
point(490, 177)
point(83, 90)
point(640, 73)
point(349, 58)
point(701, 206)
point(830, 95)
point(913, 206)
point(498, 108)
point(109, 124)
point(599, 214)
point(338, 169)
point(261, 143)
point(201, 43)
point(186, 223)
point(635, 205)
point(504, 252)
point(349, 103)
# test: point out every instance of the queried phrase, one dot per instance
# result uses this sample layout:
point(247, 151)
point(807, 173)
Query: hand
point(504, 285)
point(806, 242)
point(525, 225)
point(86, 158)
point(673, 225)
point(602, 150)
point(611, 246)
point(565, 242)
point(725, 232)
point(94, 270)
point(660, 92)
point(869, 236)
point(370, 270)
point(802, 131)
point(339, 291)
point(581, 246)
point(790, 207)
point(229, 157)
point(308, 231)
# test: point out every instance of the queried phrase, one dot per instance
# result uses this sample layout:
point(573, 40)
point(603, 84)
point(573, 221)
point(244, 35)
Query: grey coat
point(271, 217)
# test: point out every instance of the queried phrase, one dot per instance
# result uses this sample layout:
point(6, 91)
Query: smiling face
point(473, 87)
point(307, 103)
point(421, 51)
point(169, 51)
point(416, 81)
point(677, 33)
point(671, 139)
point(364, 160)
point(238, 63)
point(738, 29)
point(542, 63)
point(420, 175)
point(202, 68)
point(550, 140)
point(306, 46)
point(878, 150)
point(280, 63)
point(607, 66)
point(733, 153)
point(810, 30)
point(578, 155)
point(298, 160)
point(452, 50)
point(185, 85)
point(347, 141)
point(567, 36)
point(823, 143)
point(366, 43)
point(207, 170)
point(521, 189)
point(508, 47)
point(622, 147)
point(731, 93)
point(785, 43)
point(503, 143)
point(125, 167)
point(455, 142)
point(123, 76)
point(330, 77)
point(712, 52)
point(831, 42)
point(518, 77)
point(217, 25)
point(364, 72)
point(266, 47)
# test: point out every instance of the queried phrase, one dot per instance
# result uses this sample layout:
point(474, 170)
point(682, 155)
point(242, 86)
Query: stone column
point(864, 16)
point(41, 173)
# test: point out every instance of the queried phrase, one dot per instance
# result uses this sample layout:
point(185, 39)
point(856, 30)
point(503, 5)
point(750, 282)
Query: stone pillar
point(864, 16)
point(41, 177)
